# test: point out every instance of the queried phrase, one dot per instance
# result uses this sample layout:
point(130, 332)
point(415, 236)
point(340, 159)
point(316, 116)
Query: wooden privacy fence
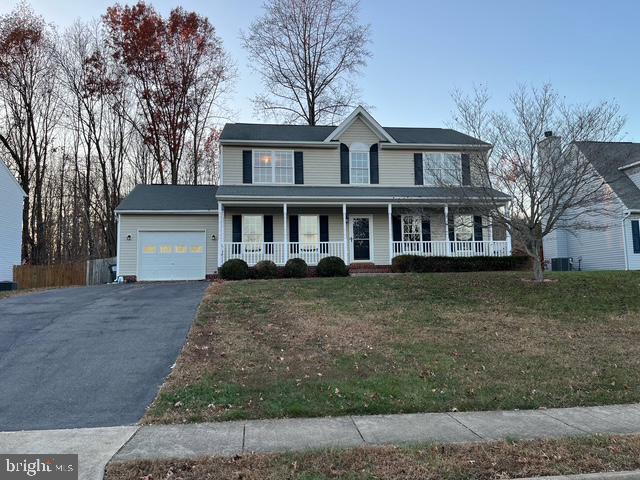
point(89, 272)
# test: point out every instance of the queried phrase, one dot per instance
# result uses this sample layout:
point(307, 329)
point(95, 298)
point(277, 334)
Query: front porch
point(357, 233)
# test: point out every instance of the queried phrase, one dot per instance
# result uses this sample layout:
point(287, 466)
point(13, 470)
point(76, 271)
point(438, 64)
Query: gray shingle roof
point(607, 157)
point(381, 194)
point(307, 133)
point(170, 198)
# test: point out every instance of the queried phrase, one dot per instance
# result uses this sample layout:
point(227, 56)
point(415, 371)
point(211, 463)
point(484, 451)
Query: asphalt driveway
point(90, 356)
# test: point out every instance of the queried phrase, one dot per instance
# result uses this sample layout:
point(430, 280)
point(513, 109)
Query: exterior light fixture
point(128, 237)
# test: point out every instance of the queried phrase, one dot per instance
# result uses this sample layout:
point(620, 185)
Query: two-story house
point(359, 191)
point(613, 240)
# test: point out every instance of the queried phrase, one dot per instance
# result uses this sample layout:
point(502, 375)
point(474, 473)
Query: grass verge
point(449, 462)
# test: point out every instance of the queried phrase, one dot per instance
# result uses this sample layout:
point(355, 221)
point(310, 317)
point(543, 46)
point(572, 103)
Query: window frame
point(633, 243)
point(258, 245)
point(440, 177)
point(455, 228)
point(273, 152)
point(402, 217)
point(309, 247)
point(359, 148)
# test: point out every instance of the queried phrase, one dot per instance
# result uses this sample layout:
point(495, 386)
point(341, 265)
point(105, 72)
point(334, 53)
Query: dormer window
point(442, 168)
point(273, 166)
point(359, 164)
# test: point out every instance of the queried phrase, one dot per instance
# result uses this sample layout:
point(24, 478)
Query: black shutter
point(417, 168)
point(426, 229)
point(635, 233)
point(298, 167)
point(236, 232)
point(344, 163)
point(293, 233)
point(324, 228)
point(374, 177)
point(466, 169)
point(268, 232)
point(247, 166)
point(452, 233)
point(477, 228)
point(396, 221)
point(324, 233)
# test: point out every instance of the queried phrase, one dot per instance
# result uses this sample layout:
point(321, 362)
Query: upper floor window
point(273, 166)
point(359, 164)
point(442, 168)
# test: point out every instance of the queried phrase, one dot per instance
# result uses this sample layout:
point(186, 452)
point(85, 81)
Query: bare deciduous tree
point(306, 52)
point(29, 114)
point(534, 161)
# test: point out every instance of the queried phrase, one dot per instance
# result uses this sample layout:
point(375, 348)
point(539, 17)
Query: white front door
point(361, 244)
point(171, 255)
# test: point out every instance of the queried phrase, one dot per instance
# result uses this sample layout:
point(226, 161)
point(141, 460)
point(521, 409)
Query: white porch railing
point(443, 248)
point(253, 253)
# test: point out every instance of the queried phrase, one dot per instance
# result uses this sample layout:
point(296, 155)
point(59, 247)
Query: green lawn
point(426, 462)
point(407, 343)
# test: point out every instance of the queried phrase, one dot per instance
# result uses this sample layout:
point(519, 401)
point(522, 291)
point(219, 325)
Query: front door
point(361, 239)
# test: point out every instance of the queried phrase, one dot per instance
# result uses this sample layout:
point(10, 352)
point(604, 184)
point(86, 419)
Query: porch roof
point(372, 194)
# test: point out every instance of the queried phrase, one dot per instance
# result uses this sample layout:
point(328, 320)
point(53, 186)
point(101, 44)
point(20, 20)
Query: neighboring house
point(359, 191)
point(11, 203)
point(615, 245)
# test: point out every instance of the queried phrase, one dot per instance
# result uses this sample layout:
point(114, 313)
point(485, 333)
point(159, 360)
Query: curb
point(631, 475)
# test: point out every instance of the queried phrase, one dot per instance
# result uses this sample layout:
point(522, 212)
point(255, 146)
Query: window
point(252, 232)
point(411, 228)
point(272, 166)
point(463, 228)
point(442, 168)
point(309, 232)
point(635, 235)
point(359, 163)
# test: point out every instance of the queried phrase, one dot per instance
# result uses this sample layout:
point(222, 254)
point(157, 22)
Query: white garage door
point(171, 255)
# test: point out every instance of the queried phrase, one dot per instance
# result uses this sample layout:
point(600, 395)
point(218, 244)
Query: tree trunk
point(538, 273)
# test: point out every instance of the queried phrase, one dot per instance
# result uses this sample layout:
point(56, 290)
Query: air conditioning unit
point(561, 264)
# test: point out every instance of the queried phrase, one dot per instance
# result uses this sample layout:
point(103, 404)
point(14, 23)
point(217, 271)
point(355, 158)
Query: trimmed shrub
point(296, 268)
point(332, 267)
point(234, 269)
point(417, 263)
point(266, 269)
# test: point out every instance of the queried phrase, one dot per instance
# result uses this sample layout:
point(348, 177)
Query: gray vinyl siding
point(11, 201)
point(130, 225)
point(634, 175)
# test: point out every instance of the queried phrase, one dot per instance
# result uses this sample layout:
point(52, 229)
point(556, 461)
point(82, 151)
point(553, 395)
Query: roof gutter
point(631, 165)
point(166, 212)
point(275, 143)
point(431, 146)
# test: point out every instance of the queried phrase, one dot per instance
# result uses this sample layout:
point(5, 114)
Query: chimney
point(550, 146)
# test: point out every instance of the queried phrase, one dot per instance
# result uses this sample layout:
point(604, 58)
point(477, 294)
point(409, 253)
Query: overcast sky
point(588, 50)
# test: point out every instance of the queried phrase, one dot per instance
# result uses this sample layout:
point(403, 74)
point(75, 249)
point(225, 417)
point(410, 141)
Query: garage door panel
point(171, 255)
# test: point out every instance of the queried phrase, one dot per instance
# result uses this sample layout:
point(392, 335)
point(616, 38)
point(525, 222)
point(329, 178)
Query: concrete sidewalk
point(234, 438)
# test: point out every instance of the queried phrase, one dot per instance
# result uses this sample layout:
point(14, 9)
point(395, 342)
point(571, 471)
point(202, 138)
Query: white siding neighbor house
point(616, 245)
point(11, 201)
point(358, 191)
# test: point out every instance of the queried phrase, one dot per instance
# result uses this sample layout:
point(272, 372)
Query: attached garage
point(168, 232)
point(171, 255)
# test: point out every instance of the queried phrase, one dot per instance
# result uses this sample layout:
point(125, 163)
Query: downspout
point(118, 249)
point(624, 239)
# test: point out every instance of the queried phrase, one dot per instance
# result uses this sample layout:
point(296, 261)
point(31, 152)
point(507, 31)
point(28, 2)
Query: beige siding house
point(359, 191)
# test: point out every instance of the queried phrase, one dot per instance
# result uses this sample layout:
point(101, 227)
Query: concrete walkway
point(94, 446)
point(234, 438)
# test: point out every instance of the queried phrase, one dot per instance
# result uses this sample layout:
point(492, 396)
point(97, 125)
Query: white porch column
point(490, 248)
point(507, 225)
point(390, 233)
point(285, 223)
point(446, 229)
point(220, 234)
point(344, 230)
